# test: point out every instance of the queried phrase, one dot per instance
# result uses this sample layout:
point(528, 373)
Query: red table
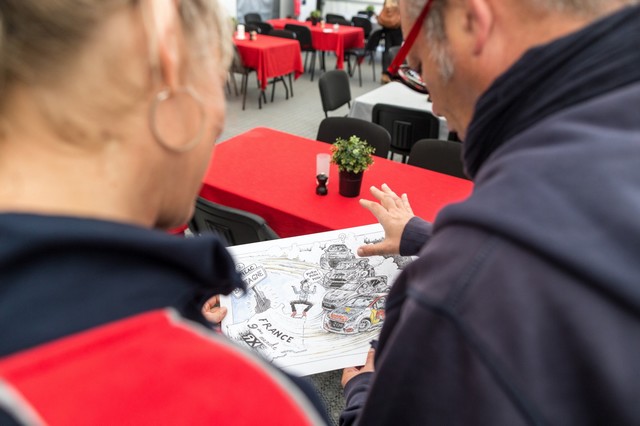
point(272, 174)
point(327, 38)
point(270, 56)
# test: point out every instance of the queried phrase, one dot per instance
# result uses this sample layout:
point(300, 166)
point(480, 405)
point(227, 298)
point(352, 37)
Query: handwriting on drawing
point(253, 274)
point(268, 327)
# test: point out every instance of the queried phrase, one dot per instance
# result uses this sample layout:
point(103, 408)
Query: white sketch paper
point(312, 305)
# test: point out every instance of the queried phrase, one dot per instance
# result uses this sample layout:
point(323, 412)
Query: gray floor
point(300, 115)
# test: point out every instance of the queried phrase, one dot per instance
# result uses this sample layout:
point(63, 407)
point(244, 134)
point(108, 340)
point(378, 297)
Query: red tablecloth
point(272, 174)
point(327, 38)
point(270, 56)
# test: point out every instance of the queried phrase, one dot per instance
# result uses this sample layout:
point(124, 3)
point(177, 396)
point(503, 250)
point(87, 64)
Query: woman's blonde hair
point(39, 37)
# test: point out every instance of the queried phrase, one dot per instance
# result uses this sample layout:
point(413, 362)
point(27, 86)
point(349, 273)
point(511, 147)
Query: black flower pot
point(350, 184)
point(314, 21)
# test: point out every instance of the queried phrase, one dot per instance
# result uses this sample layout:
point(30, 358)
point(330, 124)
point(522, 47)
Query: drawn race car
point(359, 314)
point(334, 254)
point(348, 271)
point(334, 298)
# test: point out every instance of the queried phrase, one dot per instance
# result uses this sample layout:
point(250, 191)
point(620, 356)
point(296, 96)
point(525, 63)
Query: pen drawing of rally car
point(360, 313)
point(334, 254)
point(336, 297)
point(348, 271)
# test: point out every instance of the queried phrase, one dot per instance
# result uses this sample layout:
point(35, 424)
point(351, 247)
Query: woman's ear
point(162, 24)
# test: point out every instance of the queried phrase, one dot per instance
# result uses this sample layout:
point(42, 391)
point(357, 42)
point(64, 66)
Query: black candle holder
point(321, 189)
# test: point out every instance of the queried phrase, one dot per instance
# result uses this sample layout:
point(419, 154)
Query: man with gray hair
point(524, 304)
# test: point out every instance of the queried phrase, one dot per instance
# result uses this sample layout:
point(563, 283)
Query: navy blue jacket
point(63, 275)
point(524, 306)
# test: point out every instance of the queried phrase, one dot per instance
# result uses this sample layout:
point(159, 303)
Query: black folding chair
point(335, 90)
point(377, 136)
point(439, 156)
point(406, 126)
point(233, 226)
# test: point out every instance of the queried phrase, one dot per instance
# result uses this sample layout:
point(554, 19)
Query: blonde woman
point(109, 110)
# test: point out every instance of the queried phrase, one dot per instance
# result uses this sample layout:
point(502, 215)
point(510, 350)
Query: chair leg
point(306, 56)
point(273, 88)
point(291, 84)
point(359, 74)
point(373, 65)
point(244, 83)
point(313, 64)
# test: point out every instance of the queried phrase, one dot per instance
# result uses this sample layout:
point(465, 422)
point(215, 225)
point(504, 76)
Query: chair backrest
point(406, 125)
point(233, 226)
point(364, 23)
point(335, 89)
point(342, 21)
point(439, 156)
point(252, 27)
point(373, 41)
point(303, 33)
point(283, 34)
point(332, 18)
point(264, 27)
point(251, 18)
point(377, 136)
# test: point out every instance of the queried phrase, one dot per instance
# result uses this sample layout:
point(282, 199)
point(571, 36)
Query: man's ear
point(162, 24)
point(479, 17)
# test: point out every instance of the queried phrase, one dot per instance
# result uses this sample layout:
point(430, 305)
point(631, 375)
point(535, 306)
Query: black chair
point(264, 27)
point(290, 35)
point(335, 90)
point(332, 18)
point(369, 51)
point(364, 23)
point(439, 156)
point(341, 21)
point(238, 67)
point(406, 126)
point(303, 33)
point(233, 226)
point(377, 136)
point(252, 18)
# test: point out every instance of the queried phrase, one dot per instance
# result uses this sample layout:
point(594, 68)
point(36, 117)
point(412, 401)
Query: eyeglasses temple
point(411, 38)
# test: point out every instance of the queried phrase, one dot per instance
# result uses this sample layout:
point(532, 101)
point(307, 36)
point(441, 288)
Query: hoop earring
point(164, 95)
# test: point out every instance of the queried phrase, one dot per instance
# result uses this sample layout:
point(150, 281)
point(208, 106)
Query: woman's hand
point(212, 310)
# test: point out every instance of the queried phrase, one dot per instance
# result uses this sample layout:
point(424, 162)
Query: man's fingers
point(369, 250)
point(376, 209)
point(405, 203)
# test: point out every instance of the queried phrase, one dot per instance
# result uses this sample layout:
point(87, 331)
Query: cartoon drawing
point(303, 298)
point(317, 278)
point(334, 298)
point(358, 314)
point(335, 254)
point(349, 271)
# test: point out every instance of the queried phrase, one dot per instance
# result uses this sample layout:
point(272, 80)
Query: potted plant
point(370, 10)
point(315, 16)
point(352, 156)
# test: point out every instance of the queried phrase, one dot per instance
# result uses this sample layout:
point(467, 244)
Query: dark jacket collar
point(62, 275)
point(600, 58)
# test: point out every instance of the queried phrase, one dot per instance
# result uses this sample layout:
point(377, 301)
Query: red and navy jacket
point(99, 325)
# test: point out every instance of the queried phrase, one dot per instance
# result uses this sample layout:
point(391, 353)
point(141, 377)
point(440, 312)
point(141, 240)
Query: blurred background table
point(394, 93)
point(328, 39)
point(270, 56)
point(272, 174)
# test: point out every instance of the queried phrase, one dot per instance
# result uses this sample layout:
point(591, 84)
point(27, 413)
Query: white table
point(394, 93)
